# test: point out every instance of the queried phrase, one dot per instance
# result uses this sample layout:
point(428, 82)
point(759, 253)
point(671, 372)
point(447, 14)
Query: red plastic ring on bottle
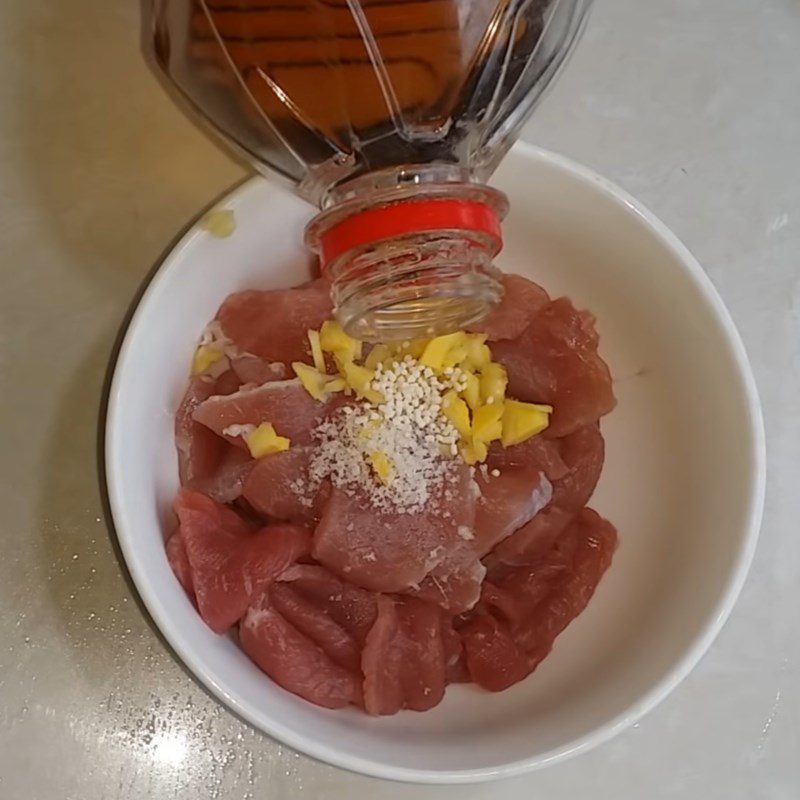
point(410, 216)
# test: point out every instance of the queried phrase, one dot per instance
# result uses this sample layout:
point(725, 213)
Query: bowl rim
point(675, 675)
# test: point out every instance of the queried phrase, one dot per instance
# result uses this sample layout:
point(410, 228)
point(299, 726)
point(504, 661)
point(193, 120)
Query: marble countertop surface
point(691, 105)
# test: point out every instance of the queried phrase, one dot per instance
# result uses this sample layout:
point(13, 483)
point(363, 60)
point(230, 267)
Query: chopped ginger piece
point(436, 350)
point(357, 376)
point(487, 425)
point(359, 379)
point(478, 353)
point(493, 383)
point(335, 385)
point(472, 391)
point(204, 357)
point(523, 420)
point(456, 411)
point(219, 222)
point(455, 355)
point(378, 355)
point(382, 465)
point(314, 381)
point(316, 351)
point(473, 451)
point(263, 441)
point(333, 339)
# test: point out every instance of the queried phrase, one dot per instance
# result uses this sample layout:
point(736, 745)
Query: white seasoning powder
point(408, 429)
point(239, 430)
point(465, 533)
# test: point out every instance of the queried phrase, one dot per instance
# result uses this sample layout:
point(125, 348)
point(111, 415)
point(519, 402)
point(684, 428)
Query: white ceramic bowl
point(683, 480)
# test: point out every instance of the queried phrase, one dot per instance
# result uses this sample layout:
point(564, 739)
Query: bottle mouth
point(427, 286)
point(415, 266)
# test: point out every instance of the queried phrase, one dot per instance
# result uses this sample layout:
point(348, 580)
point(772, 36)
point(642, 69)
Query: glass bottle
point(390, 116)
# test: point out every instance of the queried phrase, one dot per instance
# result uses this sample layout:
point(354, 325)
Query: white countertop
point(693, 106)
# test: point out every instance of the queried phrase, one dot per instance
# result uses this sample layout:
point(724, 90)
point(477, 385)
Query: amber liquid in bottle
point(383, 78)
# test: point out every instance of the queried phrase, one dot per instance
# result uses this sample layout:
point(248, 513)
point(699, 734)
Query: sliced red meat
point(312, 621)
point(522, 300)
point(227, 383)
point(532, 540)
point(424, 661)
point(321, 630)
point(531, 605)
point(278, 487)
point(538, 452)
point(273, 324)
point(519, 592)
point(505, 503)
point(381, 662)
point(179, 561)
point(199, 449)
point(226, 483)
point(351, 607)
point(286, 404)
point(582, 455)
point(455, 664)
point(583, 452)
point(294, 661)
point(201, 511)
point(555, 361)
point(230, 563)
point(494, 660)
point(589, 545)
point(455, 585)
point(404, 661)
point(252, 369)
point(389, 552)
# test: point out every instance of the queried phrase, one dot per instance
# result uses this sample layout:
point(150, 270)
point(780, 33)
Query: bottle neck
point(410, 259)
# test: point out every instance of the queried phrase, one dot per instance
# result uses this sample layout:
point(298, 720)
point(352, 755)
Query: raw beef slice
point(199, 449)
point(286, 404)
point(252, 369)
point(404, 660)
point(522, 300)
point(273, 324)
point(504, 503)
point(311, 620)
point(555, 361)
point(272, 487)
point(583, 453)
point(522, 614)
point(594, 540)
point(531, 541)
point(230, 563)
point(494, 660)
point(179, 562)
point(390, 552)
point(538, 452)
point(293, 660)
point(226, 483)
point(351, 607)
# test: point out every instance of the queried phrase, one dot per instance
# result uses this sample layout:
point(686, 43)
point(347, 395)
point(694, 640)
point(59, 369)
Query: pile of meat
point(340, 603)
